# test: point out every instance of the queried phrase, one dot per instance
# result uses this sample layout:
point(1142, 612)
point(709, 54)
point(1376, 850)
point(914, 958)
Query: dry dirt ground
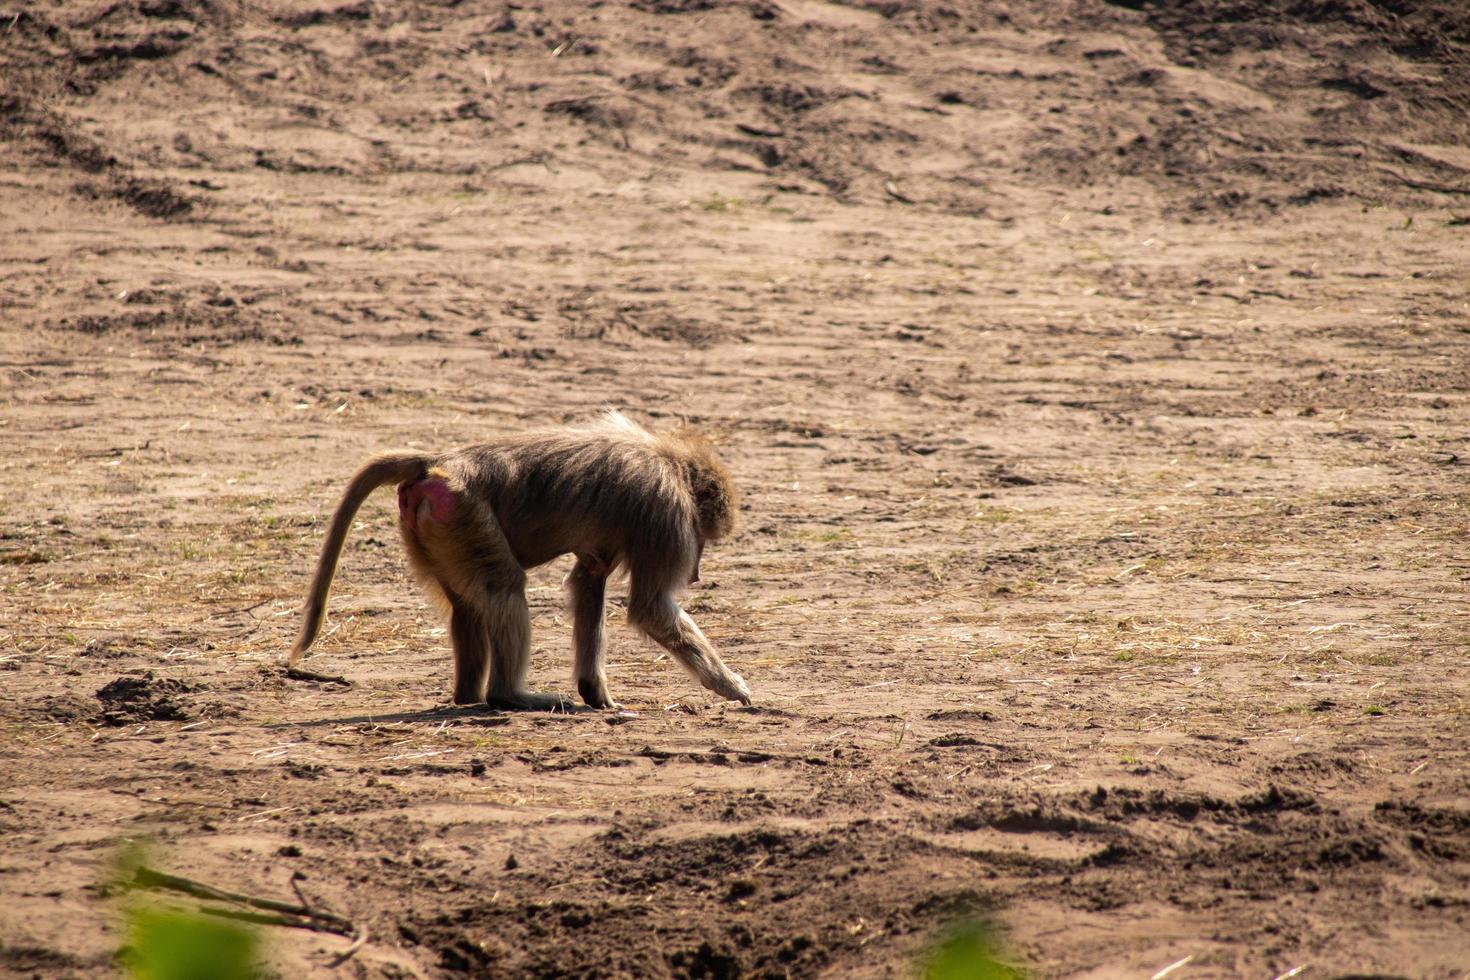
point(1096, 376)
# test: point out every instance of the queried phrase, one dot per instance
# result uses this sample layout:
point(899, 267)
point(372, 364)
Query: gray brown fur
point(611, 493)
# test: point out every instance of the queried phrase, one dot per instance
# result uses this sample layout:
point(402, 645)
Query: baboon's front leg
point(586, 586)
point(671, 628)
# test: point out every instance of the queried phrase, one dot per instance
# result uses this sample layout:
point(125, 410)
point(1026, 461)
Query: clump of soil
point(129, 700)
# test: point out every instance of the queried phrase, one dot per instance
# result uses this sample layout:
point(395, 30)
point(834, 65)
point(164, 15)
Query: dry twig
point(298, 674)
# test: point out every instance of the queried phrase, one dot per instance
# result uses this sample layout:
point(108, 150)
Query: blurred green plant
point(969, 952)
point(165, 942)
point(176, 944)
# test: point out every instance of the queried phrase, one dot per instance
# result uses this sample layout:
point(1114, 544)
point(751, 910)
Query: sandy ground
point(1096, 378)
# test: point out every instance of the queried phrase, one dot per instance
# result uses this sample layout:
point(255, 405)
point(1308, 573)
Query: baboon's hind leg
point(429, 513)
point(509, 621)
point(471, 653)
point(456, 542)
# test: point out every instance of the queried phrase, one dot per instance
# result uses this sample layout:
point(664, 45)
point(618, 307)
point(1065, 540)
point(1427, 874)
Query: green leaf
point(176, 945)
point(968, 954)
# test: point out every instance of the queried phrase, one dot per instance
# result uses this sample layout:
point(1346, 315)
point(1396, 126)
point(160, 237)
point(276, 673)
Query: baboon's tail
point(379, 472)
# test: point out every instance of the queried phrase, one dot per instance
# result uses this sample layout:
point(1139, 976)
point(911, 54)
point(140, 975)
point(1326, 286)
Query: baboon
point(611, 493)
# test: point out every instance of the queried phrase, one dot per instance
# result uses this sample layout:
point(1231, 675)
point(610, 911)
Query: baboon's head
point(715, 501)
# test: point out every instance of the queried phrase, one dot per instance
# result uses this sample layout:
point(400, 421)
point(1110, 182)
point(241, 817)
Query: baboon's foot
point(594, 692)
point(530, 701)
point(730, 686)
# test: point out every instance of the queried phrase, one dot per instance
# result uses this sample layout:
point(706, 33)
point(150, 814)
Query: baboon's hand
point(732, 687)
